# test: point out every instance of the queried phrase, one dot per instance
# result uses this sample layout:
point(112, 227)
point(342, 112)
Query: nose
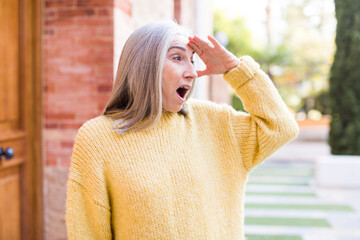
point(190, 72)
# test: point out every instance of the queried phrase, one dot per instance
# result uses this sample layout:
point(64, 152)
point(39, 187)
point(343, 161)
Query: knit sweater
point(185, 177)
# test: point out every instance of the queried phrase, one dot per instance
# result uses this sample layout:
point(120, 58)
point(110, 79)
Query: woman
point(158, 166)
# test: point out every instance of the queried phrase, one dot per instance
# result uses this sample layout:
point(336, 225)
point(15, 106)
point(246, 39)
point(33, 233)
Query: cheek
point(166, 82)
point(170, 77)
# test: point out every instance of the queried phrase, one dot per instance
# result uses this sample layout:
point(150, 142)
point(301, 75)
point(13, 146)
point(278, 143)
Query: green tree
point(240, 42)
point(345, 80)
point(309, 37)
point(239, 36)
point(297, 56)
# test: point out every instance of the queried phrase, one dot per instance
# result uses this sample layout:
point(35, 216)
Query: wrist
point(232, 64)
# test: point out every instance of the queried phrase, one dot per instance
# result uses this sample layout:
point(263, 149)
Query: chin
point(172, 109)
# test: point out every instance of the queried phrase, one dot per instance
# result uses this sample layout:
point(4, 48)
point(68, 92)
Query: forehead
point(181, 41)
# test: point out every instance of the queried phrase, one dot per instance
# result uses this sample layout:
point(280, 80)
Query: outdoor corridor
point(283, 202)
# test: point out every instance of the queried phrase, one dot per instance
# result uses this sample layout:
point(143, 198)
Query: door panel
point(9, 62)
point(11, 133)
point(9, 204)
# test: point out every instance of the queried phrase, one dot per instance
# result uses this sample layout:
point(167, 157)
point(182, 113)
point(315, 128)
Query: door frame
point(31, 110)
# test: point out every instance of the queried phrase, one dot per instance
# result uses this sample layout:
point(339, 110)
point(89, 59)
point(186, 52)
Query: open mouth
point(181, 91)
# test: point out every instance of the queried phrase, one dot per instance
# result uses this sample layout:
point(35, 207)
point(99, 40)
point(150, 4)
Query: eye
point(177, 58)
point(192, 62)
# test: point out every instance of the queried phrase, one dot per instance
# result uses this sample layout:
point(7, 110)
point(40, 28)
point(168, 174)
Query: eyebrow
point(179, 47)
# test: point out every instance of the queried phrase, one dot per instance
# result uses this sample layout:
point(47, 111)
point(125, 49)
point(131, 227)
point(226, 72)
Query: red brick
point(67, 144)
point(107, 69)
point(77, 69)
point(77, 105)
point(59, 3)
point(101, 107)
point(76, 12)
point(87, 116)
point(59, 21)
point(49, 88)
point(104, 88)
point(94, 3)
point(76, 31)
point(50, 13)
point(94, 42)
point(53, 77)
point(105, 58)
point(59, 116)
point(104, 11)
point(56, 60)
point(71, 125)
point(96, 60)
point(50, 160)
point(62, 57)
point(58, 42)
point(51, 144)
point(51, 125)
point(95, 21)
point(105, 31)
point(60, 152)
point(65, 162)
point(102, 99)
point(49, 31)
point(105, 49)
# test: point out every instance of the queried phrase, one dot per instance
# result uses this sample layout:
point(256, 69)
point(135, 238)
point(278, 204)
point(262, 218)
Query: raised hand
point(217, 59)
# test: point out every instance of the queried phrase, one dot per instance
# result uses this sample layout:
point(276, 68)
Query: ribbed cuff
point(242, 73)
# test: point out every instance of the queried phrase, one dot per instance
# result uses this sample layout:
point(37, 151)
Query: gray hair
point(136, 99)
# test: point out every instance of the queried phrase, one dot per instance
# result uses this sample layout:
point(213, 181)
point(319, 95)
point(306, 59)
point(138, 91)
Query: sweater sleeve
point(269, 124)
point(87, 207)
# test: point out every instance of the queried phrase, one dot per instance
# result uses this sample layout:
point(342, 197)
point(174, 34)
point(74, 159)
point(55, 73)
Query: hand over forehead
point(217, 59)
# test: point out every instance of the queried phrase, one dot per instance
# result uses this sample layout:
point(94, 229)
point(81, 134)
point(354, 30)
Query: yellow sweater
point(182, 179)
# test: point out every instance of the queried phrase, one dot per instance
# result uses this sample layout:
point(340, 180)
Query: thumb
point(202, 73)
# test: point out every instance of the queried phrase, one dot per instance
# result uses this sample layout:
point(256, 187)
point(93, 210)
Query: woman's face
point(178, 74)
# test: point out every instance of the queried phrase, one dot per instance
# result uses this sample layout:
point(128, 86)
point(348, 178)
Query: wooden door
point(11, 133)
point(17, 190)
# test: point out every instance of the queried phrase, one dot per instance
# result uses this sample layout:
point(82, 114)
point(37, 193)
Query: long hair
point(136, 99)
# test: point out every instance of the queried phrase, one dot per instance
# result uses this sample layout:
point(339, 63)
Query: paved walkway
point(283, 201)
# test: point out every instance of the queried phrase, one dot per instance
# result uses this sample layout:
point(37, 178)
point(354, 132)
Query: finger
point(201, 73)
point(214, 41)
point(203, 44)
point(195, 47)
point(195, 42)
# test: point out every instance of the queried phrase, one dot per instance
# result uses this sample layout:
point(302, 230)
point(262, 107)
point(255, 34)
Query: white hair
point(136, 99)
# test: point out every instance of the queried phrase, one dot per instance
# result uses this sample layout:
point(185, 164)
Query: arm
point(87, 208)
point(269, 124)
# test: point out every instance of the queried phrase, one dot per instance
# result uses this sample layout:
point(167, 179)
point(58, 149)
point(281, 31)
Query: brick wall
point(78, 64)
point(77, 77)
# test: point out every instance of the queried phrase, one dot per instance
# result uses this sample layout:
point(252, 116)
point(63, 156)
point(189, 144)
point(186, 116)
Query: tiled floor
point(283, 203)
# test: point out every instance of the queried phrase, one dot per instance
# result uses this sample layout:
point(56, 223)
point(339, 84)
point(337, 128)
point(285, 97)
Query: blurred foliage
point(236, 103)
point(322, 103)
point(240, 39)
point(299, 61)
point(344, 81)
